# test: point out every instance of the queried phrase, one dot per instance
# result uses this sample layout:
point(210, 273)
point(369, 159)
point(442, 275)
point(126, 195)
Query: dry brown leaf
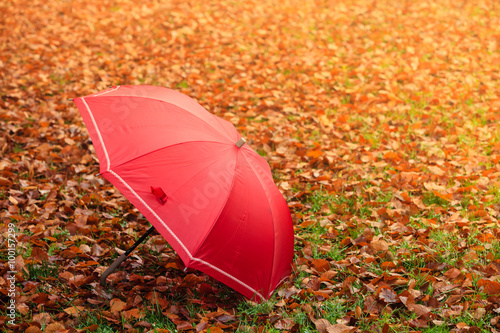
point(490, 287)
point(43, 318)
point(322, 325)
point(56, 326)
point(388, 295)
point(117, 305)
point(132, 314)
point(321, 265)
point(452, 273)
point(340, 328)
point(380, 245)
point(74, 311)
point(284, 324)
point(419, 309)
point(33, 329)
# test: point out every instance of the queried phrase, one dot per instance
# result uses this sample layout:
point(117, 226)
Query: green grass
point(61, 233)
point(432, 199)
point(250, 312)
point(88, 318)
point(335, 308)
point(154, 316)
point(183, 84)
point(445, 247)
point(411, 257)
point(34, 272)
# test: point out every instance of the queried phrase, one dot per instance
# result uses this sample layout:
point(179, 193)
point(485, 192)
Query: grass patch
point(34, 272)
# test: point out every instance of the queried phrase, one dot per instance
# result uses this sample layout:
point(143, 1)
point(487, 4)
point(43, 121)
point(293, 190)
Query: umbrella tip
point(240, 142)
point(70, 99)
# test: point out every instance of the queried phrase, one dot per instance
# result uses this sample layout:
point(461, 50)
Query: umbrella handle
point(124, 256)
point(111, 268)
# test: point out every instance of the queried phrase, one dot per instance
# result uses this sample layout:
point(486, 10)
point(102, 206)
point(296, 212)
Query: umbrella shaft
point(140, 240)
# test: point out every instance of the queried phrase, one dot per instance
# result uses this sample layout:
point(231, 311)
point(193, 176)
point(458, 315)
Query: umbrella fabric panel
point(242, 240)
point(196, 178)
point(136, 132)
point(163, 94)
point(283, 230)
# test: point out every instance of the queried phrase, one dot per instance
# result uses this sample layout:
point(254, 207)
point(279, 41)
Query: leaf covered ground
point(379, 120)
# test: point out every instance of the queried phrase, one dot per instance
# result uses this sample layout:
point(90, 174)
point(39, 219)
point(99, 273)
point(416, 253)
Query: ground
point(379, 120)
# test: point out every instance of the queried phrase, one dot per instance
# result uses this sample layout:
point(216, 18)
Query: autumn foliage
point(379, 120)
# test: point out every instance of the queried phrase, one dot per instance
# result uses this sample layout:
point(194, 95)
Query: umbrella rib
point(179, 241)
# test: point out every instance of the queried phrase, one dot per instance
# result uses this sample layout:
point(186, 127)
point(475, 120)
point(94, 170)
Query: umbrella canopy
point(193, 177)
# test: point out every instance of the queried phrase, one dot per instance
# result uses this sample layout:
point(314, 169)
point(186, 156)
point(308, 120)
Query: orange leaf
point(391, 156)
point(132, 314)
point(74, 310)
point(490, 287)
point(321, 265)
point(452, 273)
point(87, 263)
point(33, 329)
point(54, 327)
point(447, 197)
point(387, 265)
point(314, 153)
point(117, 305)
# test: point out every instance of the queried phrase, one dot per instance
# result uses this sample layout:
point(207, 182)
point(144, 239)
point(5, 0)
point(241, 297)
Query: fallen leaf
point(33, 329)
point(322, 325)
point(132, 314)
point(339, 328)
point(388, 295)
point(74, 311)
point(54, 327)
point(490, 287)
point(117, 305)
point(379, 245)
point(284, 324)
point(321, 265)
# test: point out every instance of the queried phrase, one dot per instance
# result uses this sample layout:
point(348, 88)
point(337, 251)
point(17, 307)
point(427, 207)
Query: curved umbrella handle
point(111, 268)
point(124, 256)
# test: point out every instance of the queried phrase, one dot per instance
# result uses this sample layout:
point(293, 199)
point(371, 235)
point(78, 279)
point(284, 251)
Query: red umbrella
point(193, 177)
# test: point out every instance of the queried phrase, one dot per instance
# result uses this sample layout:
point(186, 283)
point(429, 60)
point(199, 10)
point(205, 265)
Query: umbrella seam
point(108, 162)
point(272, 215)
point(152, 212)
point(208, 234)
point(191, 257)
point(222, 207)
